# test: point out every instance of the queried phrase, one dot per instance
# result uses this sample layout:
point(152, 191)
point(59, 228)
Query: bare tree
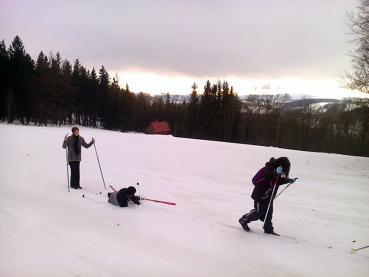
point(358, 77)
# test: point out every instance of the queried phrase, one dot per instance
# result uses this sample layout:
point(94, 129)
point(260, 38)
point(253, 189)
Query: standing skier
point(123, 196)
point(74, 144)
point(264, 181)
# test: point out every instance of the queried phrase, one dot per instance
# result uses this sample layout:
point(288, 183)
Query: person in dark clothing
point(123, 196)
point(274, 173)
point(74, 144)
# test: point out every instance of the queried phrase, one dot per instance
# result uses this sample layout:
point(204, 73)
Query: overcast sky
point(165, 46)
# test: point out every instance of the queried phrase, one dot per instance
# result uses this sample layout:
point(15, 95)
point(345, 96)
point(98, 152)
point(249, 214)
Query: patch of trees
point(54, 91)
point(358, 77)
point(335, 127)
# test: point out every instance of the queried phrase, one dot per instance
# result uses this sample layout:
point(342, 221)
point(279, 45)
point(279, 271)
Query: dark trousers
point(259, 212)
point(74, 173)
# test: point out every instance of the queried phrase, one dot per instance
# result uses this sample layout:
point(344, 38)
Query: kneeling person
point(123, 196)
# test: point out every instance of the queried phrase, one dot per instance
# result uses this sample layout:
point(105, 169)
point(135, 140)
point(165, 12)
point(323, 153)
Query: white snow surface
point(48, 231)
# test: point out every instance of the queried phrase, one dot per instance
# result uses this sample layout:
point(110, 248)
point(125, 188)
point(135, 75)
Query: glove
point(266, 195)
point(292, 180)
point(279, 170)
point(136, 200)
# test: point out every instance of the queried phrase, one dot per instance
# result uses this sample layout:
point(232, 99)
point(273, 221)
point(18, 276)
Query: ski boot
point(244, 225)
point(271, 232)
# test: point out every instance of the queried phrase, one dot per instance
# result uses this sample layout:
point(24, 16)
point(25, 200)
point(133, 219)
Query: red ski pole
point(148, 199)
point(159, 201)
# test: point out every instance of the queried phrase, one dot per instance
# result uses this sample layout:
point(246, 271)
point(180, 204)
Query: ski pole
point(99, 165)
point(66, 156)
point(271, 199)
point(284, 189)
point(91, 199)
point(139, 190)
point(66, 151)
point(158, 201)
point(354, 250)
point(148, 199)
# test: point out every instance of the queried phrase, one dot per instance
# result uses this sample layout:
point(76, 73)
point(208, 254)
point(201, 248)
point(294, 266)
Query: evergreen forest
point(53, 91)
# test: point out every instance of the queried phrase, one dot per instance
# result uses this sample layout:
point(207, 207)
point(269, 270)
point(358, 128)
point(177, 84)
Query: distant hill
point(326, 102)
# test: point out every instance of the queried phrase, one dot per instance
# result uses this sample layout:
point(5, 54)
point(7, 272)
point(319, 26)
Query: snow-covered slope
point(48, 231)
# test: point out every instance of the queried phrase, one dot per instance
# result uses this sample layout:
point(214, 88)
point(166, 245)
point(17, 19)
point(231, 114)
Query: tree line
point(53, 91)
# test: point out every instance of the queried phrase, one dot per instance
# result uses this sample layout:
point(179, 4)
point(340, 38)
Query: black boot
point(244, 225)
point(271, 232)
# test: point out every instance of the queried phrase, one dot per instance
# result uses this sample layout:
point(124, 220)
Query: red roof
point(158, 127)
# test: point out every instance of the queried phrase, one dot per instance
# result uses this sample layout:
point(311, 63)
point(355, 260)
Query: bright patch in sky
point(295, 47)
point(158, 84)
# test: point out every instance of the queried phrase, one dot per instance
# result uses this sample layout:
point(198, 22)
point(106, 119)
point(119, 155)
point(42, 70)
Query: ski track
point(48, 231)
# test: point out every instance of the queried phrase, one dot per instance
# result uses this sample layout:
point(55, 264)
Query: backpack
point(258, 177)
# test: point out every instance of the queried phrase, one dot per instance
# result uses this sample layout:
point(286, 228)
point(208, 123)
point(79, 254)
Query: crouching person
point(123, 196)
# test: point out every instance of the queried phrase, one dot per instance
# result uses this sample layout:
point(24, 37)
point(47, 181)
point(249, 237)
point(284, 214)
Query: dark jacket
point(121, 199)
point(264, 187)
point(72, 156)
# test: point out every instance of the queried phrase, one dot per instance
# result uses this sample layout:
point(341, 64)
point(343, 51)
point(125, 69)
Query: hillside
point(48, 231)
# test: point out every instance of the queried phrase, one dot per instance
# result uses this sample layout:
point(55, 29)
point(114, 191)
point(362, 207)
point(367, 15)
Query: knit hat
point(270, 163)
point(130, 191)
point(74, 129)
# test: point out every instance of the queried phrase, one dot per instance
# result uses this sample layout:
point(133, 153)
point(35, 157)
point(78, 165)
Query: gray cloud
point(246, 39)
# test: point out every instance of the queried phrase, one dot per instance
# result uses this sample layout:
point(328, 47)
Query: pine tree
point(141, 116)
point(68, 91)
point(192, 114)
point(93, 88)
point(56, 94)
point(4, 80)
point(102, 100)
point(41, 87)
point(205, 111)
point(20, 101)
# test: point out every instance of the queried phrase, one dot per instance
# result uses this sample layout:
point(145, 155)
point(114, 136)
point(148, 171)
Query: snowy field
point(48, 231)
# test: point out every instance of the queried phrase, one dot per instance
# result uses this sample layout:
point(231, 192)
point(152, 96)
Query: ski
point(235, 227)
point(286, 238)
